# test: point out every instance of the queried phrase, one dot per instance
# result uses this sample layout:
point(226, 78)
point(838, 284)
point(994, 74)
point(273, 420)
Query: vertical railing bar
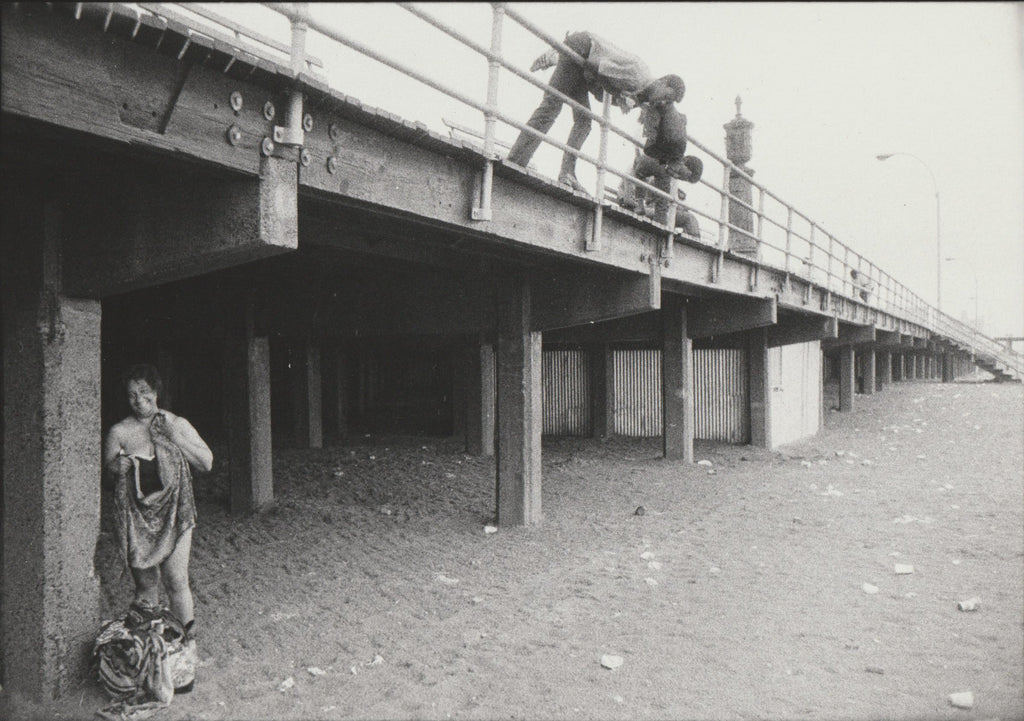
point(673, 209)
point(760, 220)
point(788, 241)
point(723, 225)
point(483, 211)
point(602, 163)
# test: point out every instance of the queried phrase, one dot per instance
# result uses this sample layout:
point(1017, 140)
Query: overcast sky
point(828, 86)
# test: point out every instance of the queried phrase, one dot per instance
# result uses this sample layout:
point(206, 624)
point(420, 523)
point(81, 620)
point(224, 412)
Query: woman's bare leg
point(147, 585)
point(175, 573)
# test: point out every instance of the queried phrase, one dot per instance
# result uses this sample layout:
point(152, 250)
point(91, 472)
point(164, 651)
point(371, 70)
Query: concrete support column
point(307, 404)
point(912, 367)
point(602, 390)
point(340, 390)
point(677, 380)
point(900, 371)
point(519, 407)
point(247, 394)
point(52, 443)
point(847, 378)
point(869, 370)
point(948, 369)
point(885, 366)
point(480, 399)
point(760, 390)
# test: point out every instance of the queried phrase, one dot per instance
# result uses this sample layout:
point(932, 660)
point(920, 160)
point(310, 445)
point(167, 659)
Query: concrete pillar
point(847, 379)
point(480, 399)
point(760, 390)
point(912, 367)
point(519, 407)
point(340, 391)
point(602, 390)
point(307, 404)
point(677, 381)
point(52, 441)
point(948, 370)
point(869, 370)
point(738, 149)
point(900, 371)
point(885, 367)
point(247, 394)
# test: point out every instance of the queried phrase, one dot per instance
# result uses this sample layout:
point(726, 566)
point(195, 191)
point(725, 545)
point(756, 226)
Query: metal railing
point(786, 238)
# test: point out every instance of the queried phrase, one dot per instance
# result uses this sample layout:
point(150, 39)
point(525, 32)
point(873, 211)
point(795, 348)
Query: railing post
point(789, 239)
point(723, 223)
point(482, 211)
point(760, 220)
point(293, 133)
point(602, 158)
point(673, 210)
point(831, 255)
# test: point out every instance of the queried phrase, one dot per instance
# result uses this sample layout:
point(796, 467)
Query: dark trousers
point(567, 78)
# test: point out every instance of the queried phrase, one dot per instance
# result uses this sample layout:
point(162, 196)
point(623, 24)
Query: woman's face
point(141, 399)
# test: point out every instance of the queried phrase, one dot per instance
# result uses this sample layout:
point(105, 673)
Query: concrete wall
point(795, 379)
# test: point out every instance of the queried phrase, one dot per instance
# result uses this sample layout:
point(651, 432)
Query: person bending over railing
point(607, 69)
point(663, 158)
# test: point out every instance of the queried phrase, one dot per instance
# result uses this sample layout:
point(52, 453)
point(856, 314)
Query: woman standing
point(150, 455)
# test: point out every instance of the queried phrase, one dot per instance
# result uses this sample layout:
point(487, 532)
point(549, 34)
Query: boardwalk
point(738, 594)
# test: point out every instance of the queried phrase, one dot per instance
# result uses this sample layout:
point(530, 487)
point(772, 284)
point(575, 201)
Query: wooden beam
point(729, 314)
point(802, 329)
point(851, 335)
point(76, 77)
point(677, 381)
point(886, 338)
point(479, 383)
point(154, 227)
point(760, 389)
point(847, 378)
point(564, 299)
point(518, 453)
point(868, 369)
point(247, 393)
point(641, 327)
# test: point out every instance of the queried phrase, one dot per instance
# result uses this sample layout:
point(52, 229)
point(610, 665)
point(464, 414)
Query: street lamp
point(938, 225)
point(974, 273)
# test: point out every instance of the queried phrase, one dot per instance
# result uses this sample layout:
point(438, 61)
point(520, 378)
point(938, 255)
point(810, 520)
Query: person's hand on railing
point(544, 60)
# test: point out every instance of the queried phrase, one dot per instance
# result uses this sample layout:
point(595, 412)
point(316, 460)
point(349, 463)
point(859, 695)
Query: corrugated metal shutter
point(721, 401)
point(637, 392)
point(566, 397)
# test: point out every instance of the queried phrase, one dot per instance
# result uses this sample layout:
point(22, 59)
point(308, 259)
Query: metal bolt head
point(268, 110)
point(334, 131)
point(236, 101)
point(305, 158)
point(278, 134)
point(267, 146)
point(234, 135)
point(307, 122)
point(332, 165)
